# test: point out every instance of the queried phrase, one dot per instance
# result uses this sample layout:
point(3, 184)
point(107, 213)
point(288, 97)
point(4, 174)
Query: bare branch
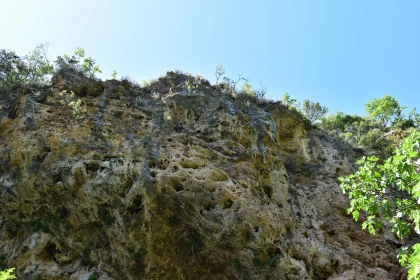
point(219, 72)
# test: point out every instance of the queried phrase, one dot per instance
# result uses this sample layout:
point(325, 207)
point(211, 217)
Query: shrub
point(78, 63)
point(7, 274)
point(77, 106)
point(390, 191)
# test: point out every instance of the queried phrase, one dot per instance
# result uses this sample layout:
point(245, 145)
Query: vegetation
point(384, 110)
point(386, 187)
point(114, 75)
point(79, 63)
point(36, 68)
point(390, 191)
point(381, 130)
point(313, 111)
point(32, 68)
point(7, 274)
point(76, 104)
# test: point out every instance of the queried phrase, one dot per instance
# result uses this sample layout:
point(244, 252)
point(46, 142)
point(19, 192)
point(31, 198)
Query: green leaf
point(356, 215)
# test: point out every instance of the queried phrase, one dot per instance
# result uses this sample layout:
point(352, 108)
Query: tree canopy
point(390, 191)
point(384, 110)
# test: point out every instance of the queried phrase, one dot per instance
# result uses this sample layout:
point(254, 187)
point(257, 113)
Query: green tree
point(339, 121)
point(7, 274)
point(384, 110)
point(32, 68)
point(78, 62)
point(390, 191)
point(288, 101)
point(313, 111)
point(12, 68)
point(38, 67)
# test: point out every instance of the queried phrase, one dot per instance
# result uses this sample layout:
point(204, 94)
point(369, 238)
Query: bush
point(390, 191)
point(77, 106)
point(32, 68)
point(78, 63)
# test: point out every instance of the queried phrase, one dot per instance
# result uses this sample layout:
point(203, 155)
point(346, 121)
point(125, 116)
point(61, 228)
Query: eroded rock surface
point(191, 185)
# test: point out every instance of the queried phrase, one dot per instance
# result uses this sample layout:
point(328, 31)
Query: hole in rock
point(50, 249)
point(268, 191)
point(177, 185)
point(227, 204)
point(209, 207)
point(136, 205)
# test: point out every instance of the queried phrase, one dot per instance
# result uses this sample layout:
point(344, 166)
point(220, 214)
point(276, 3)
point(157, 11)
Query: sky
point(339, 53)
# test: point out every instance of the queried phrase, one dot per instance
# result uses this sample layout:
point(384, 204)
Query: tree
point(32, 68)
point(384, 110)
point(390, 191)
point(339, 121)
point(313, 111)
point(78, 62)
point(39, 68)
point(288, 101)
point(12, 68)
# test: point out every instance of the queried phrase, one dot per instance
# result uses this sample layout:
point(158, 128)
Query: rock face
point(187, 185)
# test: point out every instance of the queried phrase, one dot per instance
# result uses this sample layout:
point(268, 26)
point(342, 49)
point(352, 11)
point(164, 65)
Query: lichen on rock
point(191, 186)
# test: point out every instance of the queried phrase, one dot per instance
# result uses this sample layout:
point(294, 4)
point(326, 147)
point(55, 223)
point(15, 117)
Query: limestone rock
point(196, 186)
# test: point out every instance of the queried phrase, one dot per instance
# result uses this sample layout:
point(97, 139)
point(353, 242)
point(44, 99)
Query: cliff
point(187, 184)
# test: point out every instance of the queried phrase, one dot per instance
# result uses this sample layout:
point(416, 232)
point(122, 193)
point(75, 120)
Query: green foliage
point(39, 68)
point(373, 139)
point(381, 131)
point(384, 110)
point(7, 274)
point(78, 62)
point(11, 67)
point(32, 68)
point(76, 104)
point(390, 191)
point(145, 83)
point(248, 90)
point(313, 111)
point(288, 101)
point(114, 75)
point(339, 121)
point(192, 85)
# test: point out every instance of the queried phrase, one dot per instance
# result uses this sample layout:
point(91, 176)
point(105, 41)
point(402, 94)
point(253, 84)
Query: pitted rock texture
point(190, 185)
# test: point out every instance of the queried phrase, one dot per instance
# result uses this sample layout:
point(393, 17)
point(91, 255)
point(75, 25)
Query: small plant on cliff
point(76, 104)
point(114, 75)
point(7, 274)
point(78, 62)
point(391, 192)
point(219, 72)
point(289, 101)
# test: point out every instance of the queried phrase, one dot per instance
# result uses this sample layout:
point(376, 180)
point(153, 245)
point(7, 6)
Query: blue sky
point(340, 53)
